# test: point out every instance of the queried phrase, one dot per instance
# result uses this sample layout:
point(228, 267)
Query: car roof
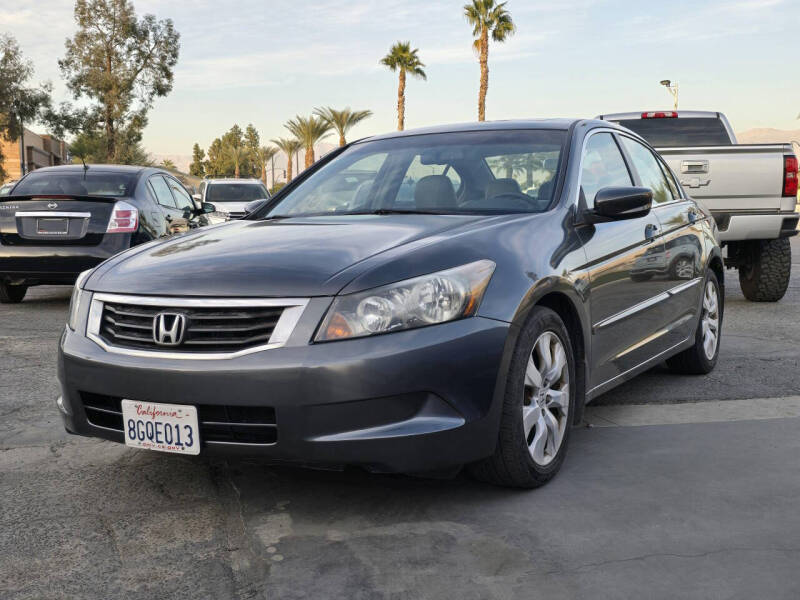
point(557, 124)
point(682, 114)
point(233, 180)
point(132, 169)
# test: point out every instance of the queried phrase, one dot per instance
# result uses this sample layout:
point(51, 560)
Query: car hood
point(298, 257)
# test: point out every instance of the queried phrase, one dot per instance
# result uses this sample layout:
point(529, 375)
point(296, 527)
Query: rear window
point(77, 184)
point(685, 131)
point(235, 192)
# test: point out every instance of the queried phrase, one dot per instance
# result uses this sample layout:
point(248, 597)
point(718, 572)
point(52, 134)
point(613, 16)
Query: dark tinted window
point(666, 133)
point(650, 172)
point(182, 197)
point(235, 192)
point(602, 166)
point(77, 183)
point(161, 192)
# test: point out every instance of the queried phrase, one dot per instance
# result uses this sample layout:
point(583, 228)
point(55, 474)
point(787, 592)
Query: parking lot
point(689, 500)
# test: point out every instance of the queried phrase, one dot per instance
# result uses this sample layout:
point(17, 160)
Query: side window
point(602, 166)
point(161, 192)
point(673, 187)
point(649, 170)
point(182, 197)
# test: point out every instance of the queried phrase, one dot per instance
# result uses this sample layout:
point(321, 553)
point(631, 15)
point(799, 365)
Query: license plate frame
point(147, 425)
point(47, 226)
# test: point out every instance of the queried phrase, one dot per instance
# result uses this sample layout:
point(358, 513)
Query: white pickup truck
point(751, 189)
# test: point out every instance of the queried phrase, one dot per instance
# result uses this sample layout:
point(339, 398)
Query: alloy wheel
point(710, 320)
point(545, 406)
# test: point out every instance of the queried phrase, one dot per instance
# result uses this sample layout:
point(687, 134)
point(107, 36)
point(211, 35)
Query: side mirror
point(197, 197)
point(618, 203)
point(254, 205)
point(207, 208)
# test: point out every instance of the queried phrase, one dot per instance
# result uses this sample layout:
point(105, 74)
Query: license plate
point(162, 427)
point(52, 226)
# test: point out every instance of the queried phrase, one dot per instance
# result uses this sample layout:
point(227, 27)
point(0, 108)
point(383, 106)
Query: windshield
point(452, 173)
point(77, 184)
point(666, 133)
point(235, 192)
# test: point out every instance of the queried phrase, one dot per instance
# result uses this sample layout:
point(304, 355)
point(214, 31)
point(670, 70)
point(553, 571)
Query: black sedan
point(59, 221)
point(459, 306)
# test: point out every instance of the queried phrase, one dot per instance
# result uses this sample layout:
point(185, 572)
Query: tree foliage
point(487, 18)
point(121, 64)
point(198, 167)
point(342, 120)
point(20, 102)
point(233, 149)
point(309, 131)
point(405, 61)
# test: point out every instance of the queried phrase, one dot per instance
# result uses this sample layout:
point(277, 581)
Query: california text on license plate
point(163, 427)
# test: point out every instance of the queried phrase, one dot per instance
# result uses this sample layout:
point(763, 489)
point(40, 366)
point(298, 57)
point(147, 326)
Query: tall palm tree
point(405, 60)
point(264, 155)
point(487, 17)
point(290, 147)
point(237, 154)
point(309, 130)
point(342, 120)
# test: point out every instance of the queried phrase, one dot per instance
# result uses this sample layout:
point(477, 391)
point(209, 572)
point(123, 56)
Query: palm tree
point(237, 154)
point(342, 120)
point(290, 147)
point(405, 60)
point(486, 18)
point(264, 155)
point(309, 130)
point(168, 164)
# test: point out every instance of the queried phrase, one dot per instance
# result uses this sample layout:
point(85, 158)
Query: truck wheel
point(11, 294)
point(701, 357)
point(765, 269)
point(538, 407)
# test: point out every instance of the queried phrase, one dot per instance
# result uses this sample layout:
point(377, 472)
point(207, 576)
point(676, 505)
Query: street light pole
point(672, 88)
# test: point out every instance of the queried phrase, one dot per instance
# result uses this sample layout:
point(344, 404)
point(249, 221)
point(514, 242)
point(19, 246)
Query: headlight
point(76, 300)
point(435, 298)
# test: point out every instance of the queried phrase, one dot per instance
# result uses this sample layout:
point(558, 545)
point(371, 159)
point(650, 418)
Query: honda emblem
point(169, 328)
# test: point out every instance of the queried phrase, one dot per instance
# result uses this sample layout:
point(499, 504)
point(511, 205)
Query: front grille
point(207, 330)
point(218, 423)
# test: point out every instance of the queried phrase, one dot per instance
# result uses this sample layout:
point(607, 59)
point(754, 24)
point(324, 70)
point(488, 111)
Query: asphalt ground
point(694, 500)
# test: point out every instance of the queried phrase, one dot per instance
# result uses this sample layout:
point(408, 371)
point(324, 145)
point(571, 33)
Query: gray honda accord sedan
point(413, 303)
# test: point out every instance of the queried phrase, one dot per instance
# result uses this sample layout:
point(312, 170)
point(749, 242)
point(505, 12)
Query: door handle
point(168, 219)
point(693, 216)
point(650, 232)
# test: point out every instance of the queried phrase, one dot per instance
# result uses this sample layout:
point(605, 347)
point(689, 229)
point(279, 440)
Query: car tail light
point(789, 175)
point(124, 218)
point(660, 115)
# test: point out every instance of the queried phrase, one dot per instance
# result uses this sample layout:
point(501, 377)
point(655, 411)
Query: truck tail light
point(789, 175)
point(671, 114)
point(124, 218)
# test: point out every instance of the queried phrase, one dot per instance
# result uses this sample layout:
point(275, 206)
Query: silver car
point(232, 195)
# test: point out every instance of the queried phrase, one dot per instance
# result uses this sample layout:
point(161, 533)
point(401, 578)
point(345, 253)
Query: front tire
point(765, 270)
point(12, 294)
point(537, 409)
point(701, 357)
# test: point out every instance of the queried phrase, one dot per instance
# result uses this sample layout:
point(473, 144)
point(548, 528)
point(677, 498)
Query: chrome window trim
point(293, 310)
point(57, 214)
point(632, 310)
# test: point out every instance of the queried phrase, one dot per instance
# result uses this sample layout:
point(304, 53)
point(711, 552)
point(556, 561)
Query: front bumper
point(409, 401)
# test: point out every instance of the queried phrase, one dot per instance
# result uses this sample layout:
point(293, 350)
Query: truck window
point(687, 131)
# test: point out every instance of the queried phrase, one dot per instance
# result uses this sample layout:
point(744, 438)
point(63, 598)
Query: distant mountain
point(768, 136)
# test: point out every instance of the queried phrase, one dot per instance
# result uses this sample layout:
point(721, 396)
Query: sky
point(264, 61)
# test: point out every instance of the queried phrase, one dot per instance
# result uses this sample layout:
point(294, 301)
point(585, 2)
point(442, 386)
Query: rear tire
point(701, 357)
point(537, 409)
point(765, 269)
point(12, 294)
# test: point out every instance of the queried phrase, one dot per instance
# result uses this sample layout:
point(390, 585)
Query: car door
point(681, 230)
point(172, 217)
point(619, 253)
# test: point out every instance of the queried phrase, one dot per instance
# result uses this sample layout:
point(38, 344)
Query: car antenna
point(85, 168)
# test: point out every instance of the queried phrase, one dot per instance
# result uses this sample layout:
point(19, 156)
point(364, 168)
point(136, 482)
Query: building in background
point(39, 151)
